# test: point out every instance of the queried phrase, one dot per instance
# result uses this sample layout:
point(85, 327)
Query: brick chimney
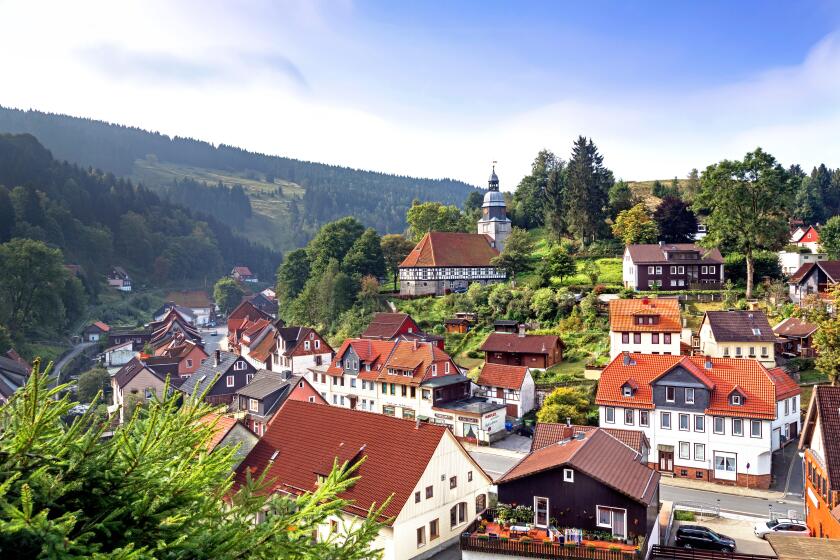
point(521, 331)
point(218, 357)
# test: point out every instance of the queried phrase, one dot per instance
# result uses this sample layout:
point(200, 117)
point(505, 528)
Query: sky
point(441, 89)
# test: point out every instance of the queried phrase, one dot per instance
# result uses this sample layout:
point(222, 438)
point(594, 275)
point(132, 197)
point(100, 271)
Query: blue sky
point(442, 88)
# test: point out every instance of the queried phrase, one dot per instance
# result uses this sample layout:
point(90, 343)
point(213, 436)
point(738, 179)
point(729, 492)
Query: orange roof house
point(631, 315)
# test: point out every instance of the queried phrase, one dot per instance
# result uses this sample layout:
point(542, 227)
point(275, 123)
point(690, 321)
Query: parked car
point(526, 431)
point(783, 526)
point(697, 536)
point(459, 290)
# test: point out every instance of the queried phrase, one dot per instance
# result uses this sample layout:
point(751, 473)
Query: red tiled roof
point(242, 270)
point(500, 375)
point(624, 311)
point(622, 472)
point(795, 327)
point(749, 376)
point(373, 352)
point(101, 326)
point(512, 342)
point(439, 248)
point(221, 426)
point(548, 433)
point(308, 437)
point(655, 253)
point(785, 385)
point(385, 325)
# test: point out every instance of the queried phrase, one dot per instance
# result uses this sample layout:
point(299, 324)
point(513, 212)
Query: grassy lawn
point(812, 376)
point(47, 352)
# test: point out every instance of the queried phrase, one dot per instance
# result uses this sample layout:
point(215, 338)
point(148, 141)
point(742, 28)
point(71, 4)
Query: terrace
point(509, 532)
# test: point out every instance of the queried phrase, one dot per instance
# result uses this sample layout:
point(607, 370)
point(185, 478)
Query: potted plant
point(614, 548)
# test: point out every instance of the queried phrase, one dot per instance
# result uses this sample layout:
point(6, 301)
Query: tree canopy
point(424, 217)
point(675, 221)
point(517, 255)
point(228, 293)
point(830, 238)
point(588, 183)
point(635, 226)
point(395, 248)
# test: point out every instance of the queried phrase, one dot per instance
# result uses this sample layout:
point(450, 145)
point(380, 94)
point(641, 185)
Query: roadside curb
point(731, 490)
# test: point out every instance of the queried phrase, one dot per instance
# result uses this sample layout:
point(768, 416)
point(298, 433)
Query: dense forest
point(98, 220)
point(380, 200)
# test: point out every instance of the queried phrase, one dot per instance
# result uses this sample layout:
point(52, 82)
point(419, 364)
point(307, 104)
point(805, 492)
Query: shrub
point(800, 364)
point(681, 515)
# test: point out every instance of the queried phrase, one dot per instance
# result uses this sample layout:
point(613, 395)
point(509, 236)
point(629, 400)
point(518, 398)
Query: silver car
point(782, 526)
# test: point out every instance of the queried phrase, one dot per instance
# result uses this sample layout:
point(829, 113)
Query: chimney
point(417, 423)
point(218, 357)
point(521, 331)
point(568, 421)
point(661, 243)
point(708, 363)
point(626, 359)
point(415, 344)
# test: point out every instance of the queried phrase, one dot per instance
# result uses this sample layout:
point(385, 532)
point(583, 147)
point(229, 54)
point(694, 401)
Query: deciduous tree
point(395, 248)
point(365, 256)
point(749, 205)
point(91, 382)
point(563, 403)
point(557, 263)
point(830, 238)
point(635, 226)
point(517, 256)
point(228, 293)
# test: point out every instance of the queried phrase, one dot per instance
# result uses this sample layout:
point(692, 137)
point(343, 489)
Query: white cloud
point(206, 71)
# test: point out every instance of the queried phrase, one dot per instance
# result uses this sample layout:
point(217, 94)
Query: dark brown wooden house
point(520, 349)
point(795, 338)
point(590, 480)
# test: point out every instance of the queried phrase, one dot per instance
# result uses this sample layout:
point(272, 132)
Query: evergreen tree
point(808, 204)
point(621, 198)
point(152, 489)
point(7, 215)
point(692, 185)
point(675, 220)
point(587, 191)
point(555, 200)
point(531, 197)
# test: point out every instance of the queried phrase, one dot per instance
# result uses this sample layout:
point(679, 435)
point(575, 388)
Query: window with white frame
point(699, 452)
point(736, 400)
point(629, 416)
point(651, 270)
point(306, 345)
point(699, 423)
point(670, 394)
point(612, 518)
point(684, 422)
point(719, 424)
point(568, 475)
point(317, 344)
point(627, 391)
point(755, 428)
point(609, 415)
point(644, 418)
point(685, 450)
point(737, 427)
point(253, 405)
point(689, 395)
point(230, 381)
point(421, 536)
point(665, 420)
point(248, 377)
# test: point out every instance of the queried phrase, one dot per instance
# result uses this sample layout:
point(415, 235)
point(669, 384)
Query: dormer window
point(757, 332)
point(627, 391)
point(736, 400)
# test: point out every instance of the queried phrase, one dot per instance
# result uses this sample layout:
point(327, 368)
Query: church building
point(445, 262)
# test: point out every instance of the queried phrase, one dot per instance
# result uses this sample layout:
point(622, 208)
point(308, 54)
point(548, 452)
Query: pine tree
point(587, 191)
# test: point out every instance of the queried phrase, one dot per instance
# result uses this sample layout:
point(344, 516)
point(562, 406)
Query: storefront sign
point(444, 416)
point(468, 419)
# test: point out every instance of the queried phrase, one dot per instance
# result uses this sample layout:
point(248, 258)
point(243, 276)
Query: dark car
point(526, 431)
point(459, 290)
point(697, 536)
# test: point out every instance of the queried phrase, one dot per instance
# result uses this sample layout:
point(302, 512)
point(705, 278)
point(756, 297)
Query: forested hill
point(299, 194)
point(99, 220)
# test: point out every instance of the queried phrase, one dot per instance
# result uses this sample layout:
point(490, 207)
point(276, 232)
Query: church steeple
point(494, 221)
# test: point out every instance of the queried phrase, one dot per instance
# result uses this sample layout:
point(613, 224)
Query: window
point(737, 427)
point(317, 344)
point(711, 270)
point(453, 482)
point(387, 410)
point(609, 415)
point(699, 423)
point(685, 450)
point(229, 381)
point(628, 416)
point(253, 405)
point(306, 345)
point(658, 272)
point(627, 391)
point(681, 270)
point(637, 338)
point(148, 393)
point(718, 425)
point(726, 351)
point(458, 514)
point(665, 420)
point(434, 369)
point(421, 536)
point(704, 270)
point(699, 452)
point(786, 407)
point(189, 362)
point(426, 394)
point(568, 475)
point(666, 338)
point(353, 382)
point(248, 377)
point(654, 338)
point(684, 422)
point(469, 476)
point(670, 394)
point(417, 497)
point(312, 399)
point(625, 338)
point(752, 351)
point(755, 428)
point(737, 351)
point(480, 503)
point(612, 518)
point(430, 491)
point(764, 352)
point(651, 270)
point(541, 518)
point(434, 530)
point(644, 418)
point(689, 395)
point(736, 400)
point(239, 366)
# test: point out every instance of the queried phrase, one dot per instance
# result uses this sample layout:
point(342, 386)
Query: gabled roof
point(373, 352)
point(414, 356)
point(549, 433)
point(221, 424)
point(809, 235)
point(439, 248)
point(825, 409)
point(528, 344)
point(623, 313)
point(739, 326)
point(209, 373)
point(500, 375)
point(786, 387)
point(830, 268)
point(586, 453)
point(265, 383)
point(656, 253)
point(242, 271)
point(304, 439)
point(100, 325)
point(196, 299)
point(795, 327)
point(386, 325)
point(749, 376)
point(130, 370)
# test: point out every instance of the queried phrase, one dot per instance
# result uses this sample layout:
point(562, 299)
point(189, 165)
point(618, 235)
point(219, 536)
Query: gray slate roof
point(655, 253)
point(207, 372)
point(265, 383)
point(737, 326)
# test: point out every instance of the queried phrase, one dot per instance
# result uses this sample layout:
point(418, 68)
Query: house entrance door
point(666, 461)
point(692, 273)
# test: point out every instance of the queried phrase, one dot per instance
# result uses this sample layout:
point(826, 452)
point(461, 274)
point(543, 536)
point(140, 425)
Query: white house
point(511, 386)
point(645, 325)
point(738, 334)
point(791, 261)
point(117, 356)
point(411, 380)
point(712, 419)
point(436, 489)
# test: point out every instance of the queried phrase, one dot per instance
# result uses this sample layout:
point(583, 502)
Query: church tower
point(494, 221)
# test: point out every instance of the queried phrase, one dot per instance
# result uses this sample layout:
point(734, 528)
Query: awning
point(423, 418)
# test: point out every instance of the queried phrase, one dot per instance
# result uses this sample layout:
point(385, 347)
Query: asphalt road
point(76, 350)
point(496, 465)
